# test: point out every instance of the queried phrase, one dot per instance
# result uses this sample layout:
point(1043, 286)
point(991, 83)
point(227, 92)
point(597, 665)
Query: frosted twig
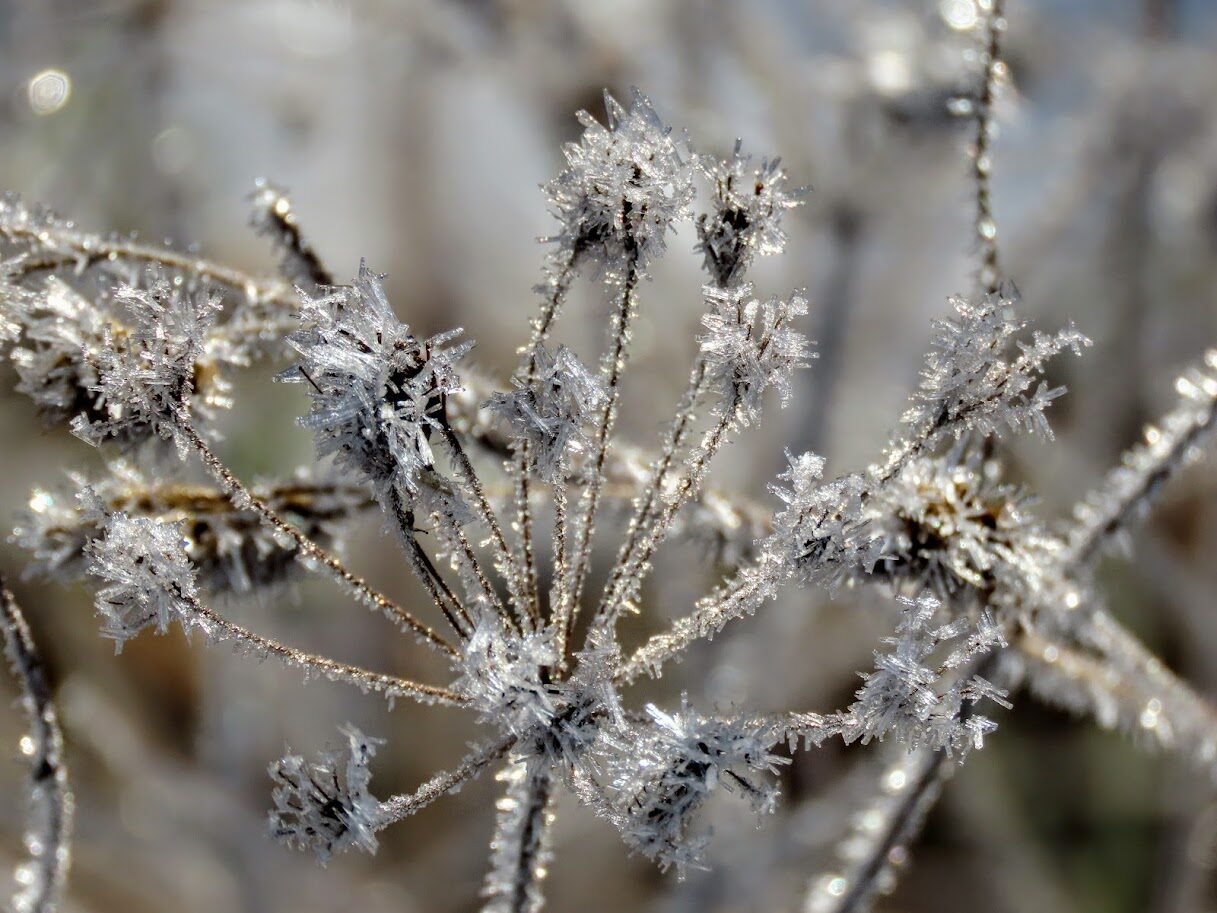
point(424, 568)
point(623, 315)
point(216, 627)
point(399, 807)
point(520, 850)
point(1129, 488)
point(651, 492)
point(880, 833)
point(43, 875)
point(80, 249)
point(1112, 677)
point(752, 585)
point(505, 560)
point(274, 216)
point(556, 288)
point(245, 499)
point(982, 166)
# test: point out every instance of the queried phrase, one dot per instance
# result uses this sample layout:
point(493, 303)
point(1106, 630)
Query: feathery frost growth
point(550, 412)
point(150, 580)
point(324, 805)
point(626, 182)
point(377, 391)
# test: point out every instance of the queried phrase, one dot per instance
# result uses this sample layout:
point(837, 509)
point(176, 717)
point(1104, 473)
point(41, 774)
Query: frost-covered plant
point(130, 344)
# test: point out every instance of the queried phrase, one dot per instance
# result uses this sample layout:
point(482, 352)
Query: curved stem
point(218, 627)
point(48, 841)
point(244, 498)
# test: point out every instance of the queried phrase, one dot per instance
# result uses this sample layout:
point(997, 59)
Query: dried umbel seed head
point(624, 186)
point(746, 221)
point(324, 805)
point(377, 391)
point(232, 551)
point(951, 525)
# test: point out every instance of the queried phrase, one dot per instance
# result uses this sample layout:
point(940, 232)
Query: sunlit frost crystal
point(377, 390)
point(324, 805)
point(149, 577)
point(624, 185)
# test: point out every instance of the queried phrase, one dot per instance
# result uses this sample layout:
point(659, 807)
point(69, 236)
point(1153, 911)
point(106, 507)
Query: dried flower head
point(377, 391)
point(324, 805)
point(625, 183)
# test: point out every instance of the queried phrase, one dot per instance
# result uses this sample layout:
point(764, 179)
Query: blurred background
point(415, 134)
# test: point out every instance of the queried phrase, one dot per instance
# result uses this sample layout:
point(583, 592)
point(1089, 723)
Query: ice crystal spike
point(550, 411)
point(377, 390)
point(63, 335)
point(821, 533)
point(503, 674)
point(624, 185)
point(748, 347)
point(324, 805)
point(746, 221)
point(150, 580)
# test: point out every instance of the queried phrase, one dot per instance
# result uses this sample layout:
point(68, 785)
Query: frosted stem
point(520, 849)
point(505, 560)
point(44, 874)
point(472, 568)
point(740, 596)
point(1131, 486)
point(695, 470)
point(425, 570)
point(1112, 677)
point(982, 166)
point(678, 430)
point(556, 290)
point(217, 627)
point(243, 498)
point(275, 217)
point(568, 607)
point(84, 250)
point(907, 791)
point(442, 784)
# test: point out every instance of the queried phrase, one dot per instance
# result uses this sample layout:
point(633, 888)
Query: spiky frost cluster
point(551, 411)
point(144, 376)
point(746, 221)
point(667, 771)
point(749, 347)
point(979, 377)
point(324, 805)
point(626, 182)
point(149, 579)
point(378, 390)
point(905, 695)
point(137, 356)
